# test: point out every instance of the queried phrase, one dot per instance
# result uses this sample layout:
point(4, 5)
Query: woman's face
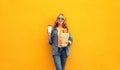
point(60, 19)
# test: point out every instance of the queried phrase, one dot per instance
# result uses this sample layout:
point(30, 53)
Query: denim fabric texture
point(60, 60)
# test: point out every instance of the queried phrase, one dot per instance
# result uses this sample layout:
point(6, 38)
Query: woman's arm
point(70, 40)
point(50, 41)
point(51, 38)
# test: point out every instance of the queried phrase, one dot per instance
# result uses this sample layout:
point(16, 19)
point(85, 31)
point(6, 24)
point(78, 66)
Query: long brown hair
point(64, 25)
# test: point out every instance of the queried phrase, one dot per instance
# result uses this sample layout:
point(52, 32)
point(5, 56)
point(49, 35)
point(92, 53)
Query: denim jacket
point(54, 42)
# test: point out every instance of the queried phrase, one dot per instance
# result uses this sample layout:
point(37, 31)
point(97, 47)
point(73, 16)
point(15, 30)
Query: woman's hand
point(49, 35)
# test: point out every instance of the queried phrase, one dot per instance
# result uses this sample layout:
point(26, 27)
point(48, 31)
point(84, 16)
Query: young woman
point(60, 52)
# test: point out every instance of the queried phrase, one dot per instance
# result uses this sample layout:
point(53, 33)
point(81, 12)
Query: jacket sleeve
point(70, 40)
point(50, 41)
point(51, 38)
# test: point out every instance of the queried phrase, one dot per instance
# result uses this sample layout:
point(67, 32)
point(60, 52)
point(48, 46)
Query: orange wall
point(94, 25)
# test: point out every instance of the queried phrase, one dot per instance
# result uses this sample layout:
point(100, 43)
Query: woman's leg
point(63, 59)
point(57, 61)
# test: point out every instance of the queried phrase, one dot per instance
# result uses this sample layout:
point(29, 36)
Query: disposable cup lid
point(49, 25)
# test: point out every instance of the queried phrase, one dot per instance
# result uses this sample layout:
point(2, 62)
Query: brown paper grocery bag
point(63, 39)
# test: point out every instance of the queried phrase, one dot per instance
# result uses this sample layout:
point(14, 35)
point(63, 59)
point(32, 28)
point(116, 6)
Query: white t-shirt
point(58, 36)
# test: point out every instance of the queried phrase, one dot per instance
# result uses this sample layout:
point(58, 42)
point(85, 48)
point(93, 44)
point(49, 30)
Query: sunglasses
point(60, 18)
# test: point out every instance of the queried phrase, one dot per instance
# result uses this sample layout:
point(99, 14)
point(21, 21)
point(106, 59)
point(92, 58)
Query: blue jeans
point(60, 60)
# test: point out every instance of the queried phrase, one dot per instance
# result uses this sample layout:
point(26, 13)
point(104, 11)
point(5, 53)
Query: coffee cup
point(49, 29)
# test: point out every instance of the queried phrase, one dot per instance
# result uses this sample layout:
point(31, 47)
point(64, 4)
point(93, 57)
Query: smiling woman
point(60, 50)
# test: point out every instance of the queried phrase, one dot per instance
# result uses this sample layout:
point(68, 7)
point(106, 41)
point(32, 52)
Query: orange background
point(94, 25)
